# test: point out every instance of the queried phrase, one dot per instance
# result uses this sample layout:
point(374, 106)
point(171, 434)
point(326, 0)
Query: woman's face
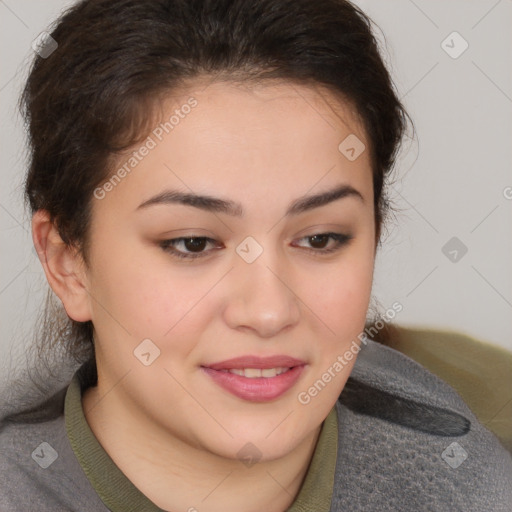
point(260, 284)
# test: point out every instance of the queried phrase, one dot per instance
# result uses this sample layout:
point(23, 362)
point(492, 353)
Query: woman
point(207, 190)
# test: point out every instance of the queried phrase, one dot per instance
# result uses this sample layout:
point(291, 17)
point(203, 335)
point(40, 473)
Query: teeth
point(253, 373)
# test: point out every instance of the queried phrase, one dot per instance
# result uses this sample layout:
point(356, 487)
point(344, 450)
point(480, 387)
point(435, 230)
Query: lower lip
point(259, 389)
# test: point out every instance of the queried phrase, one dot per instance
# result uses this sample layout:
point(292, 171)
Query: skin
point(168, 426)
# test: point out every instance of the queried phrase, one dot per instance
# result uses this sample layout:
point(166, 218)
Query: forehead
point(271, 113)
point(247, 141)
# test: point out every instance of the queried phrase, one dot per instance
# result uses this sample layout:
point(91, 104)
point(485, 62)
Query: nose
point(261, 298)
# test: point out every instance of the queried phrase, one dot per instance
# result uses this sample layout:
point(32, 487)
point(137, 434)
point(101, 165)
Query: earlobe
point(63, 266)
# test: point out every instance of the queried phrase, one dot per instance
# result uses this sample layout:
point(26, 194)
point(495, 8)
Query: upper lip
point(279, 361)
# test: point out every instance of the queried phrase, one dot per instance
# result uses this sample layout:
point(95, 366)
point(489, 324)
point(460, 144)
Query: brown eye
point(194, 244)
point(189, 247)
point(319, 241)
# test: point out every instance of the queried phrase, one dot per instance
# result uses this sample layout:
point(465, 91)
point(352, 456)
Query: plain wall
point(453, 180)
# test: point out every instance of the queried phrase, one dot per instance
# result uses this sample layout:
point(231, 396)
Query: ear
point(63, 266)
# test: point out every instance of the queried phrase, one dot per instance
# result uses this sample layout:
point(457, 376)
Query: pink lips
point(258, 389)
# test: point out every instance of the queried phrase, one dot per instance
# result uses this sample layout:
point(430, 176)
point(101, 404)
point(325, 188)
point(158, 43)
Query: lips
point(256, 379)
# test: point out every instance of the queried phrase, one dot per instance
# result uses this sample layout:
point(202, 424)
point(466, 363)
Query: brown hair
point(93, 96)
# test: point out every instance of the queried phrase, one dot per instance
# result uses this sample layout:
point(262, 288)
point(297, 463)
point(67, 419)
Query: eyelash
point(167, 245)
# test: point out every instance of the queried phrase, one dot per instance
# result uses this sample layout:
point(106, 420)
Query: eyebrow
point(218, 205)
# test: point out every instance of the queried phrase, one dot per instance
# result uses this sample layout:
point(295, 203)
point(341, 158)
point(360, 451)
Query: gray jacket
point(406, 442)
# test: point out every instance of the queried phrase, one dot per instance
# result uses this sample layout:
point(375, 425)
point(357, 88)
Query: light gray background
point(453, 180)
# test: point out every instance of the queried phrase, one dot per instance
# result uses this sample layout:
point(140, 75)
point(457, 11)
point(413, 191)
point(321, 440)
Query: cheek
point(343, 303)
point(138, 294)
point(341, 295)
point(152, 301)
